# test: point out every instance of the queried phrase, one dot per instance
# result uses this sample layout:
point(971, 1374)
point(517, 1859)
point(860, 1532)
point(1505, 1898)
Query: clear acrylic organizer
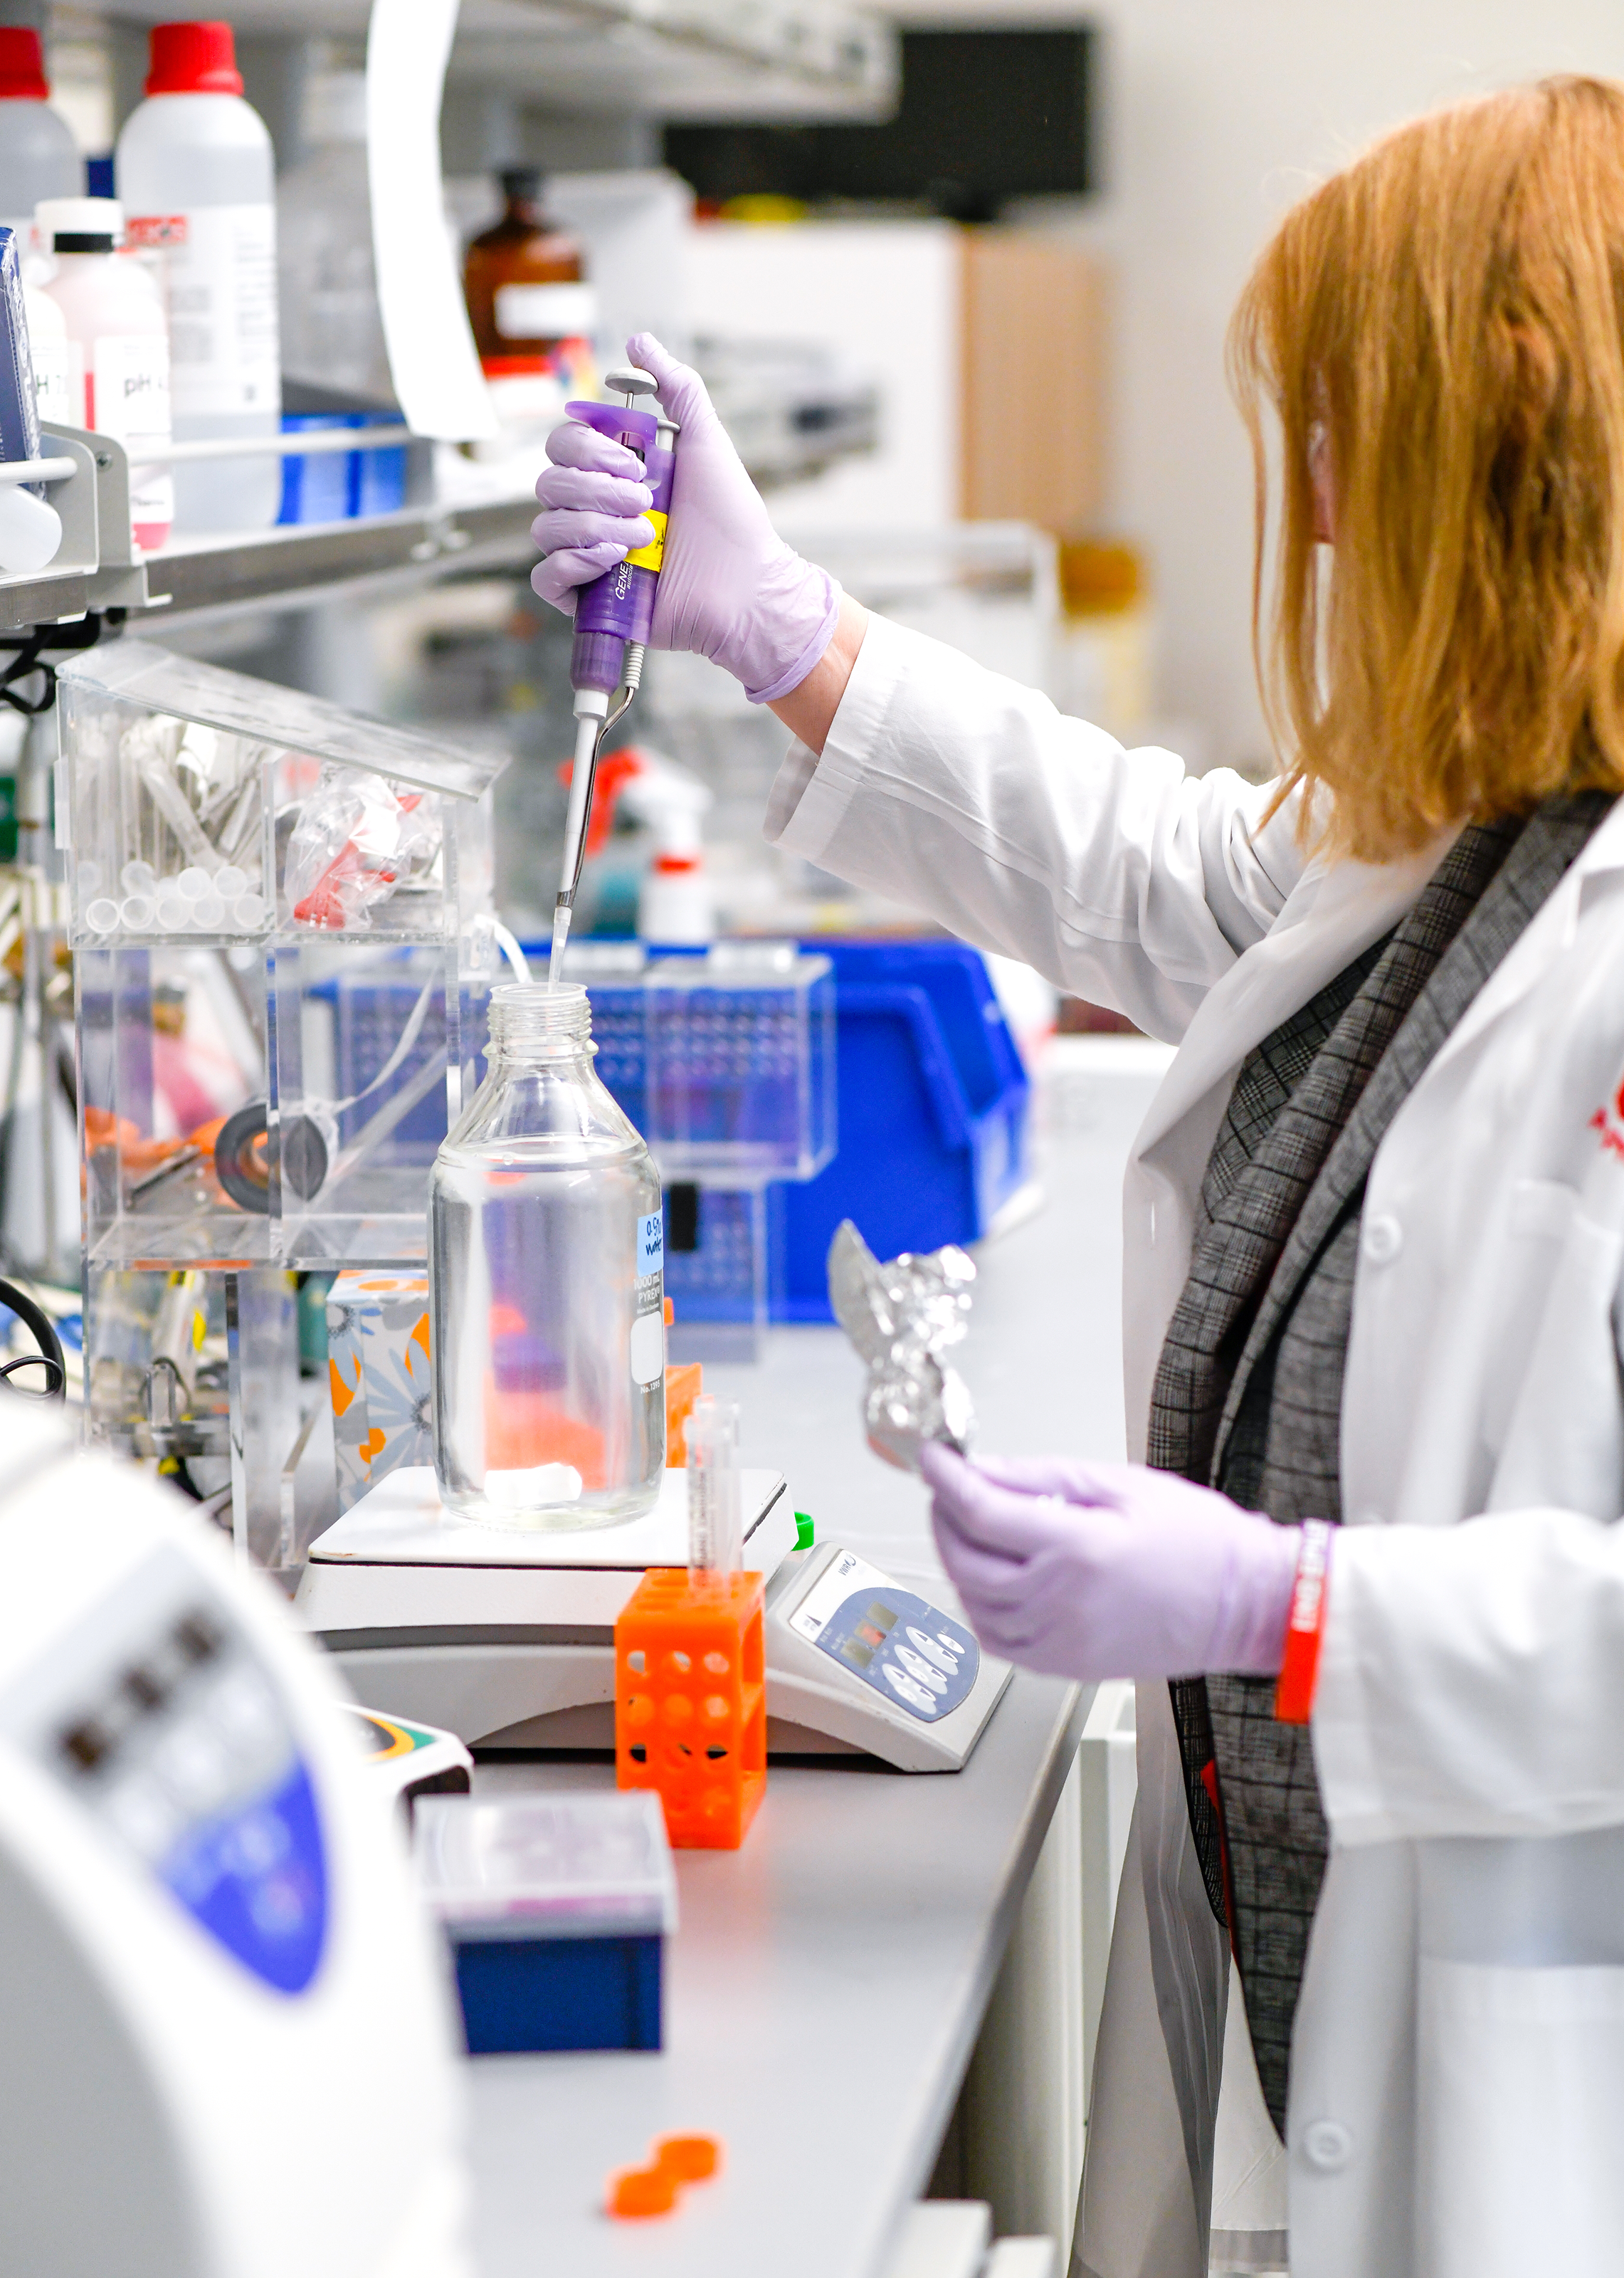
point(283, 938)
point(739, 1064)
point(281, 967)
point(726, 1062)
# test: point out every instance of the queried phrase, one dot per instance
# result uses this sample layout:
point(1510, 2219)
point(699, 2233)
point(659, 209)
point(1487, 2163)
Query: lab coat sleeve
point(1472, 1679)
point(1116, 874)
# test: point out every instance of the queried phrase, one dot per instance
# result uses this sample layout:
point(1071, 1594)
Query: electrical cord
point(49, 1355)
point(29, 656)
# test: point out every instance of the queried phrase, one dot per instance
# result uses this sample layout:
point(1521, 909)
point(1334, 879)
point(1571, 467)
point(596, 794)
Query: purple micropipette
point(612, 617)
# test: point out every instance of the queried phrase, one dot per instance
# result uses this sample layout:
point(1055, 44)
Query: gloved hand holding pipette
point(648, 544)
point(729, 587)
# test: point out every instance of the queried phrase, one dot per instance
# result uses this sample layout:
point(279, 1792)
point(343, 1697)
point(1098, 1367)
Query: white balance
point(506, 1638)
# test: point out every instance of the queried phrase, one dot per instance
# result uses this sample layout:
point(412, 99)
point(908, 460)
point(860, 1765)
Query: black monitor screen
point(985, 117)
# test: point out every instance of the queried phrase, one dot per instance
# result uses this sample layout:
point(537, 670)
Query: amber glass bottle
point(528, 298)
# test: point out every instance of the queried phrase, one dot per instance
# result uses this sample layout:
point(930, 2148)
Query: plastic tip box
point(557, 1907)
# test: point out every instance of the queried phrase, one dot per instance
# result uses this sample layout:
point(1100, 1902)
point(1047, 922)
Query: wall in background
point(1214, 118)
point(881, 296)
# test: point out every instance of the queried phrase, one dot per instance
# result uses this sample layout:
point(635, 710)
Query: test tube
point(715, 1508)
point(172, 803)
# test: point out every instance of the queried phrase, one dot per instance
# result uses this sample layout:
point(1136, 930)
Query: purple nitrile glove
point(729, 587)
point(1093, 1571)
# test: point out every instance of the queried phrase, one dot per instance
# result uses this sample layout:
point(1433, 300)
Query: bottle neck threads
point(531, 1020)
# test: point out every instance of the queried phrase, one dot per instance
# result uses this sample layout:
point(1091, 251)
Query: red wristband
point(1305, 1627)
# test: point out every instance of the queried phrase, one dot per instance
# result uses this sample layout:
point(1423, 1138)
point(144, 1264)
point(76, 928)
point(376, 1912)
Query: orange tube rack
point(690, 1703)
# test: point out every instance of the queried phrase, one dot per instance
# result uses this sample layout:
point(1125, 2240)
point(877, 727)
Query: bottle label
point(58, 391)
point(651, 1244)
point(128, 396)
point(546, 312)
point(651, 556)
point(217, 266)
point(648, 1328)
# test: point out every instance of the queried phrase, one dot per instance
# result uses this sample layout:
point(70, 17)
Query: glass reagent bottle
point(548, 1288)
point(332, 333)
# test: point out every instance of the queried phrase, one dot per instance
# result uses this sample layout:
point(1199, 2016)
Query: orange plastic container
point(690, 1703)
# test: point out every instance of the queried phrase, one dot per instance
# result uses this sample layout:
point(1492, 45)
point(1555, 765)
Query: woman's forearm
point(808, 711)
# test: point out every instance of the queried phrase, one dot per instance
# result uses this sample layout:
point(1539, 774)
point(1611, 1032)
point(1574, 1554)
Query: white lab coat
point(1457, 2097)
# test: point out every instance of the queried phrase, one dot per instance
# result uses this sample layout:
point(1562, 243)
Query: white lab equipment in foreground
point(506, 1638)
point(228, 2042)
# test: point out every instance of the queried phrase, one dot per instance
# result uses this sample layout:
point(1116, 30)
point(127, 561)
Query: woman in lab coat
point(1374, 1221)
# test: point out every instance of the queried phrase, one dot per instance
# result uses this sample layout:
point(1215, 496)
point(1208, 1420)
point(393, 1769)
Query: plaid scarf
point(1248, 1389)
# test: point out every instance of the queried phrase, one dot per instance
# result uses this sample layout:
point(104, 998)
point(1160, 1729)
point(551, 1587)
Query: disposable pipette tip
point(560, 936)
point(577, 818)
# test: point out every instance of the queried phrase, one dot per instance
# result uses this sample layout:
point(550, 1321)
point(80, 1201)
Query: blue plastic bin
point(377, 477)
point(315, 489)
point(339, 485)
point(933, 1109)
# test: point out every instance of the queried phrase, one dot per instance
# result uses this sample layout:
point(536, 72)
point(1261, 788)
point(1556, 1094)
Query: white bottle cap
point(54, 217)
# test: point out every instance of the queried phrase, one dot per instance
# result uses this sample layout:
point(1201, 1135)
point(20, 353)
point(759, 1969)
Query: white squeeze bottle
point(197, 180)
point(118, 346)
point(38, 156)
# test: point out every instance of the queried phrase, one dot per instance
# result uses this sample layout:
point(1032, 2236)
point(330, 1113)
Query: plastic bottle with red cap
point(197, 181)
point(38, 156)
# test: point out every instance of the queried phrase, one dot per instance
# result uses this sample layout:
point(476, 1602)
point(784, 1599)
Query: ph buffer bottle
point(547, 1261)
point(117, 344)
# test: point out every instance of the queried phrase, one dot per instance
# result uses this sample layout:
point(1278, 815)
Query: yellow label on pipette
point(649, 557)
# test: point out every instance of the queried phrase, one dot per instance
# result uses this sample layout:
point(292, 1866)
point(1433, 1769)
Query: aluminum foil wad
point(902, 1316)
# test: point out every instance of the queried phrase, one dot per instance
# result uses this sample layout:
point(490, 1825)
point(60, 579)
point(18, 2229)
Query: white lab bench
point(828, 1982)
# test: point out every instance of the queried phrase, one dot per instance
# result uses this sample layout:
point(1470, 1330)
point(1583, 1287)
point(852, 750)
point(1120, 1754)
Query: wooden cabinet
point(1032, 332)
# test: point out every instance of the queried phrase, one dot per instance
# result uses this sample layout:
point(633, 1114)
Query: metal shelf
point(281, 564)
point(663, 58)
point(98, 568)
